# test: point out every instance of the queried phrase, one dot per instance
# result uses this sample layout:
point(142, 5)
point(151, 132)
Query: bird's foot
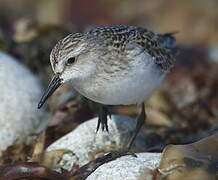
point(121, 152)
point(84, 171)
point(102, 118)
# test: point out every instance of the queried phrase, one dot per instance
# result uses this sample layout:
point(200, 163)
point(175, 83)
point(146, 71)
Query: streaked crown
point(64, 47)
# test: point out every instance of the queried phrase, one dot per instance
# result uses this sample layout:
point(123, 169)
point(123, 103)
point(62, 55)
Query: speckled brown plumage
point(116, 38)
point(161, 47)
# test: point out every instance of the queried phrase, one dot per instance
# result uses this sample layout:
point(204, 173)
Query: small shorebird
point(112, 65)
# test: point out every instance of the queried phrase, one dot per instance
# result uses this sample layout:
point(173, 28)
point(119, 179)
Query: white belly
point(132, 88)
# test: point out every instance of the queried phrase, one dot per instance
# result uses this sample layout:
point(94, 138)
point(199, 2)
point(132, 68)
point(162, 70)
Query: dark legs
point(140, 121)
point(87, 169)
point(102, 118)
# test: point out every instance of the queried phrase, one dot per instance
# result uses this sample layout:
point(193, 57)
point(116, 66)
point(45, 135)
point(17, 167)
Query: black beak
point(53, 85)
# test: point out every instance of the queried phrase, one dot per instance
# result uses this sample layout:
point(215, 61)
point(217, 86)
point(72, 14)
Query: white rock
point(84, 141)
point(128, 168)
point(19, 93)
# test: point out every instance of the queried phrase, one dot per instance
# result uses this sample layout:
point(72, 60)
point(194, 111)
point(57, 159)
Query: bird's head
point(70, 61)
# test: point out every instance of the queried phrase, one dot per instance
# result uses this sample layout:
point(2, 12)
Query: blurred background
point(183, 110)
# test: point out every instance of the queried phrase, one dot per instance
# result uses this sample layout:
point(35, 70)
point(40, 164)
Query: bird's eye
point(71, 60)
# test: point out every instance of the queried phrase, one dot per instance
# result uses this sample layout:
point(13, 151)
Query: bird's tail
point(170, 42)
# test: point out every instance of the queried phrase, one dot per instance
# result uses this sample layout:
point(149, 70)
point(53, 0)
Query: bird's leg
point(127, 151)
point(102, 118)
point(140, 121)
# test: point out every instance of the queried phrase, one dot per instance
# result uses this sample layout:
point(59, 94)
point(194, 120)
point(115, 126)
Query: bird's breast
point(129, 86)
